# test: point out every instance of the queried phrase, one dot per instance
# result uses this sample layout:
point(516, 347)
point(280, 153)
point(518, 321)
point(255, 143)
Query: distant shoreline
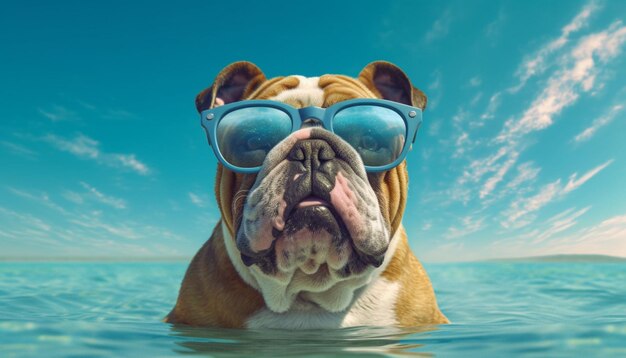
point(581, 258)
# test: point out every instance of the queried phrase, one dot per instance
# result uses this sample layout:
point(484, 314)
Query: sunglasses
point(242, 133)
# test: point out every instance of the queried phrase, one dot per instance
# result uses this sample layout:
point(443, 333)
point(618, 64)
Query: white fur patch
point(374, 305)
point(308, 91)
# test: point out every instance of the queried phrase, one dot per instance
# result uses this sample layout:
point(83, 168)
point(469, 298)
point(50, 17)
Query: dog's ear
point(387, 81)
point(234, 83)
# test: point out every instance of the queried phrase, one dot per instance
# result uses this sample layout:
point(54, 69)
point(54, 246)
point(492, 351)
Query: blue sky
point(522, 150)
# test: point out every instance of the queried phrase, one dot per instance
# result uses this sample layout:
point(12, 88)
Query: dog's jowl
point(312, 187)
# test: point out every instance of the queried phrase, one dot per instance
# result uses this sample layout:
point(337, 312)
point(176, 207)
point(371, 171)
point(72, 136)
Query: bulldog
point(312, 190)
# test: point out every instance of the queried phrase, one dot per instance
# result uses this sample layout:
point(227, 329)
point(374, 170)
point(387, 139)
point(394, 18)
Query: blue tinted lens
point(377, 133)
point(246, 135)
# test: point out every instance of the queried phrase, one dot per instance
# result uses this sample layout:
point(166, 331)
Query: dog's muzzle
point(312, 208)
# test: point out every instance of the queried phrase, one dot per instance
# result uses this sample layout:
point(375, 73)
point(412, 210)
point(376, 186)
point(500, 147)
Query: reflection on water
point(497, 309)
point(353, 342)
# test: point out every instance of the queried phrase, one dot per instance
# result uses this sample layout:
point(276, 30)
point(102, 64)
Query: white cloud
point(462, 138)
point(559, 223)
point(580, 20)
point(492, 107)
point(606, 238)
point(543, 239)
point(58, 113)
point(434, 126)
point(491, 183)
point(522, 207)
point(461, 141)
point(88, 148)
point(525, 172)
point(450, 251)
point(81, 146)
point(27, 219)
point(18, 149)
point(84, 233)
point(104, 199)
point(493, 29)
point(520, 183)
point(575, 182)
point(520, 212)
point(130, 161)
point(576, 74)
point(537, 64)
point(479, 167)
point(599, 122)
point(436, 82)
point(476, 99)
point(86, 105)
point(469, 225)
point(475, 81)
point(118, 229)
point(196, 199)
point(89, 230)
point(435, 90)
point(127, 229)
point(74, 197)
point(41, 198)
point(440, 27)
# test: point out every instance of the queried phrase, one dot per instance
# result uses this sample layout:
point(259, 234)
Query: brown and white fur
point(311, 241)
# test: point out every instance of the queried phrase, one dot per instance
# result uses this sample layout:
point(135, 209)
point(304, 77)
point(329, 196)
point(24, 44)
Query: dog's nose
point(311, 122)
point(312, 153)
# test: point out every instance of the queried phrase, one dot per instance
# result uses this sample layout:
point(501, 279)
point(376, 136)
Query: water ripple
point(96, 309)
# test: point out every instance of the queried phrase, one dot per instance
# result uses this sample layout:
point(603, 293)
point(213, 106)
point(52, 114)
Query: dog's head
point(312, 225)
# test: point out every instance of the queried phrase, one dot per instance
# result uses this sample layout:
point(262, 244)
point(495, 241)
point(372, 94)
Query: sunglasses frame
point(211, 118)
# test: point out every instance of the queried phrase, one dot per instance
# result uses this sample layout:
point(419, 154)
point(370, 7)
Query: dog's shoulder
point(416, 302)
point(212, 292)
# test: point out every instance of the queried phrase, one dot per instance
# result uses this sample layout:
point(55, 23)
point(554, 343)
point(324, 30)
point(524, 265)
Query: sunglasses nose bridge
point(312, 116)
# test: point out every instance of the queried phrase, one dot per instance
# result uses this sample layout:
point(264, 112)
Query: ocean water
point(497, 309)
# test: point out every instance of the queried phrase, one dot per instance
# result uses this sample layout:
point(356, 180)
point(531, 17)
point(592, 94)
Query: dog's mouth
point(313, 238)
point(298, 199)
point(312, 200)
point(315, 217)
point(314, 213)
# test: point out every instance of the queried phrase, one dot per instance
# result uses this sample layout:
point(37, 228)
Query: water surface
point(497, 309)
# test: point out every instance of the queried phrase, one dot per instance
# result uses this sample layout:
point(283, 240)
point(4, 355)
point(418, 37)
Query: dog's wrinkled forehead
point(244, 80)
point(306, 93)
point(324, 91)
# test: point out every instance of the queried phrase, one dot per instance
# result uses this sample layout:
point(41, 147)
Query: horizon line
point(562, 257)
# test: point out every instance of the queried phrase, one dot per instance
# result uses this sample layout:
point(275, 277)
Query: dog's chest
point(374, 307)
